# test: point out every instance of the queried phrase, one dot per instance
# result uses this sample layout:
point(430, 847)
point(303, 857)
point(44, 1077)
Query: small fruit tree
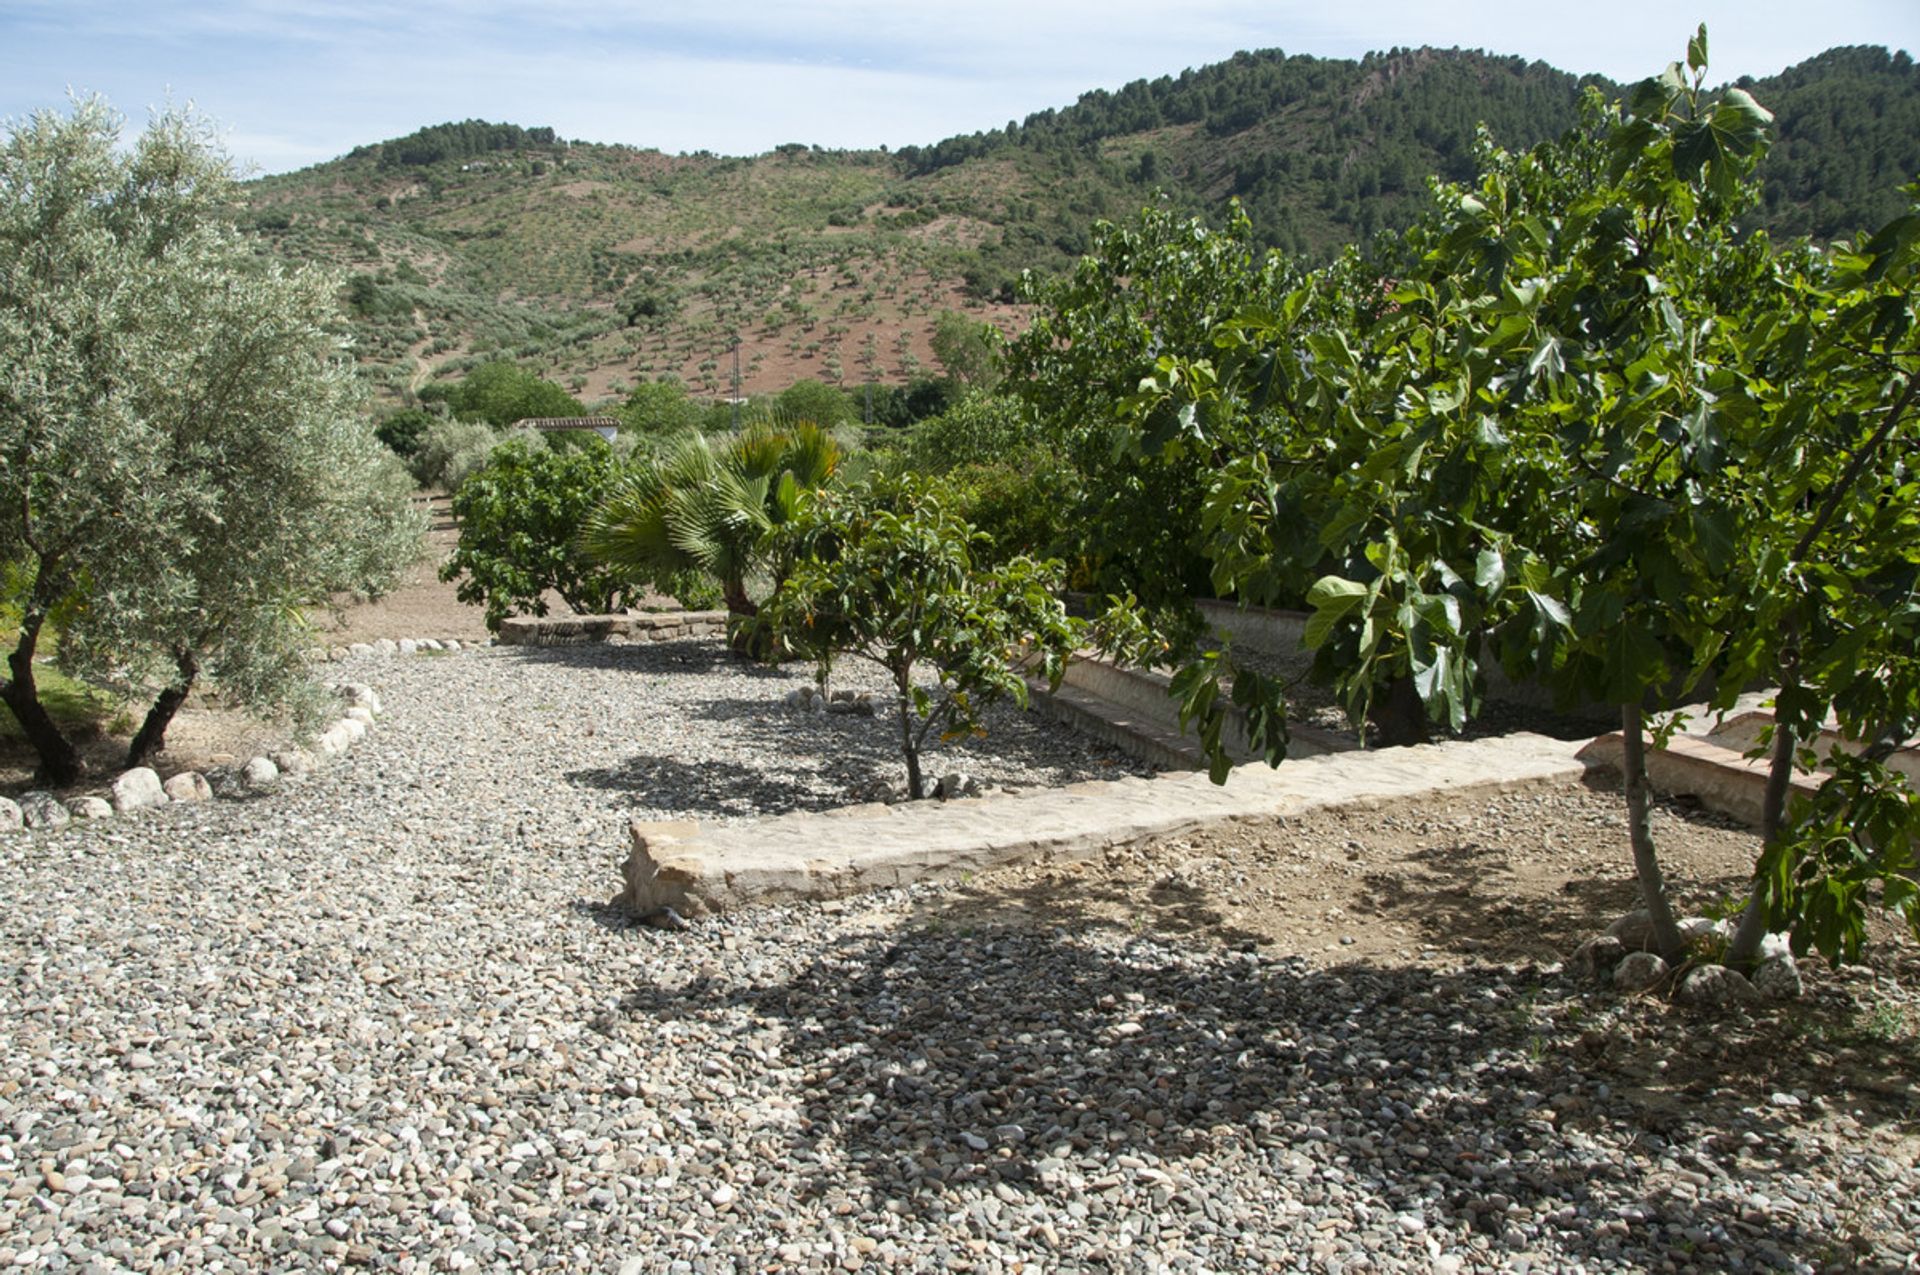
point(1579, 423)
point(886, 573)
point(520, 523)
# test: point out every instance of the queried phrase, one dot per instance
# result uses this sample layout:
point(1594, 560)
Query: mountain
point(600, 265)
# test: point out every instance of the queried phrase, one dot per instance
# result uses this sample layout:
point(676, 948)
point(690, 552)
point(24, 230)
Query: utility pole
point(736, 383)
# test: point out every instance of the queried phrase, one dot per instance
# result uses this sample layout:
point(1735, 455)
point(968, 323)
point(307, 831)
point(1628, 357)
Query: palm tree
point(712, 508)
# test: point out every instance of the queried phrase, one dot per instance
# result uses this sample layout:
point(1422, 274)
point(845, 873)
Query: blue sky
point(301, 81)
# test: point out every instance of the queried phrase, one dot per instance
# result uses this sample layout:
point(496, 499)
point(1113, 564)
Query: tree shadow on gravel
point(680, 656)
point(970, 1071)
point(723, 789)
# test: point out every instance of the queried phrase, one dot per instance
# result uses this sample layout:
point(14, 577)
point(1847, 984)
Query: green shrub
point(404, 430)
point(520, 519)
point(979, 429)
point(450, 451)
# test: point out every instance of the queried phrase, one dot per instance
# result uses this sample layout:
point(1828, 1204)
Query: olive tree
point(185, 464)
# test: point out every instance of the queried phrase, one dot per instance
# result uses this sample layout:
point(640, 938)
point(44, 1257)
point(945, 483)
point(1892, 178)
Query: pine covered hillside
point(603, 265)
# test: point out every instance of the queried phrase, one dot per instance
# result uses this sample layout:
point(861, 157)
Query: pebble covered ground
point(383, 1019)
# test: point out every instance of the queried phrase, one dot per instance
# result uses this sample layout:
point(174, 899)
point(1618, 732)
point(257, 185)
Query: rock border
point(141, 787)
point(632, 626)
point(1623, 958)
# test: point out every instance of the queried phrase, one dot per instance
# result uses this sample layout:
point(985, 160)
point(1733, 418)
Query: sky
point(297, 82)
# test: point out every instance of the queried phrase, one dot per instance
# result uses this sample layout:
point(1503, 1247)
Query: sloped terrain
point(598, 265)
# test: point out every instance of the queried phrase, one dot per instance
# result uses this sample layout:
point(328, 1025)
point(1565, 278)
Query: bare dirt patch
point(1516, 880)
point(421, 606)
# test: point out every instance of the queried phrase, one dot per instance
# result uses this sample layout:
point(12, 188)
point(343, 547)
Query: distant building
point(605, 426)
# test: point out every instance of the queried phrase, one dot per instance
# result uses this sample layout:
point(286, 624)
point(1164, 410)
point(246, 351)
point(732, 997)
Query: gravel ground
point(383, 1018)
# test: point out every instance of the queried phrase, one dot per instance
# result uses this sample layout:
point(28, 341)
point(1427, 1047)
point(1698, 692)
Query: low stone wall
point(636, 626)
point(1147, 723)
point(687, 868)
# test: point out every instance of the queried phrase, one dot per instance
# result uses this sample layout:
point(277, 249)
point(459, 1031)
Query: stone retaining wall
point(689, 868)
point(637, 626)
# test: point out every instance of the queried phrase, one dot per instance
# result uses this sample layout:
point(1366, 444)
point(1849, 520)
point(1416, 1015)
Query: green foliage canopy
point(521, 518)
point(1588, 429)
point(885, 573)
point(501, 393)
point(814, 401)
point(712, 509)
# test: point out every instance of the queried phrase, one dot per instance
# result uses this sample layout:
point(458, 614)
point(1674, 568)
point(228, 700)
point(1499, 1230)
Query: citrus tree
point(521, 519)
point(885, 572)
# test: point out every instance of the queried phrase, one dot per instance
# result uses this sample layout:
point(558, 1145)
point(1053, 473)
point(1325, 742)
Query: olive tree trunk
point(152, 735)
point(60, 763)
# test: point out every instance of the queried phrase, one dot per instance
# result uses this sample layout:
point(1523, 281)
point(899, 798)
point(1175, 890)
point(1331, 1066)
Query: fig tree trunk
point(1398, 715)
point(1646, 862)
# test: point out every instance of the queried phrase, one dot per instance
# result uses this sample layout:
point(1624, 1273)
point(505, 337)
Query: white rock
point(360, 648)
point(260, 773)
point(293, 761)
point(408, 646)
point(335, 740)
point(956, 785)
point(450, 645)
point(1638, 971)
point(359, 695)
point(136, 788)
point(1700, 931)
point(360, 713)
point(337, 653)
point(43, 810)
point(1715, 987)
point(1634, 930)
point(1776, 945)
point(90, 808)
point(1594, 959)
point(10, 817)
point(1778, 978)
point(429, 644)
point(355, 728)
point(386, 646)
point(188, 785)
